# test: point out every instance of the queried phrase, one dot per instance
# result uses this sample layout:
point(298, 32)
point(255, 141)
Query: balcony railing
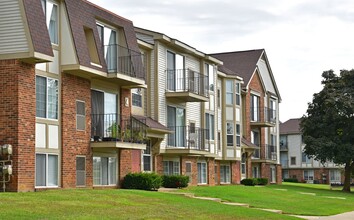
point(263, 115)
point(187, 137)
point(185, 80)
point(284, 163)
point(256, 154)
point(271, 152)
point(115, 127)
point(283, 145)
point(124, 61)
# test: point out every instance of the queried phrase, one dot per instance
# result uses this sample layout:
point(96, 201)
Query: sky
point(302, 38)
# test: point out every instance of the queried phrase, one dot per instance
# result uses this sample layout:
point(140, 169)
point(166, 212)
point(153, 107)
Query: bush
point(248, 182)
point(262, 181)
point(144, 181)
point(175, 181)
point(291, 180)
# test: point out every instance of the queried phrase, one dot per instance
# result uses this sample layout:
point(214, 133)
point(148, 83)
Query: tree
point(328, 126)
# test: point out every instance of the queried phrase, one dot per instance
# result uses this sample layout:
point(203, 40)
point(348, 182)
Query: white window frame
point(309, 175)
point(84, 171)
point(47, 18)
point(229, 93)
point(210, 125)
point(47, 99)
point(225, 174)
point(109, 171)
point(202, 173)
point(146, 153)
point(230, 132)
point(175, 167)
point(135, 94)
point(46, 170)
point(79, 115)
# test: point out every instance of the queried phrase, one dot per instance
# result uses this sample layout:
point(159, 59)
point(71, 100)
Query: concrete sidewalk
point(343, 216)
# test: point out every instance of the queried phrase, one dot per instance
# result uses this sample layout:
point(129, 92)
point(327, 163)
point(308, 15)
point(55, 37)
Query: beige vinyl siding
point(68, 53)
point(152, 87)
point(12, 30)
point(265, 74)
point(193, 64)
point(193, 113)
point(161, 82)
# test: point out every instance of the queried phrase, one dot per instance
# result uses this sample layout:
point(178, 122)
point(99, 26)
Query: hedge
point(291, 180)
point(175, 181)
point(254, 181)
point(144, 181)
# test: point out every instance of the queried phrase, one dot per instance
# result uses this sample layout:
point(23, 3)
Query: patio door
point(176, 122)
point(175, 72)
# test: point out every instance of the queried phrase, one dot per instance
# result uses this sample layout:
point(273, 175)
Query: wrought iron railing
point(266, 114)
point(125, 61)
point(115, 127)
point(283, 145)
point(271, 152)
point(284, 163)
point(187, 137)
point(186, 80)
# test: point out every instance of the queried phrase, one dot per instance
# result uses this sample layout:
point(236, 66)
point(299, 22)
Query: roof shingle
point(291, 126)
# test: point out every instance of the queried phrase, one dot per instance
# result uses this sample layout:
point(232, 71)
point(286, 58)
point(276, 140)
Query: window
point(292, 160)
point(238, 99)
point(80, 115)
point(255, 137)
point(335, 176)
point(305, 158)
point(272, 110)
point(243, 164)
point(46, 97)
point(136, 97)
point(104, 171)
point(147, 158)
point(285, 174)
point(171, 168)
point(202, 173)
point(308, 175)
point(229, 92)
point(216, 177)
point(238, 135)
point(175, 72)
point(254, 108)
point(225, 174)
point(209, 122)
point(108, 38)
point(189, 171)
point(51, 13)
point(219, 98)
point(219, 140)
point(230, 134)
point(80, 171)
point(176, 122)
point(255, 172)
point(210, 73)
point(46, 170)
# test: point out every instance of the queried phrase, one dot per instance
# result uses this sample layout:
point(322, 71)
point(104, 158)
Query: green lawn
point(119, 204)
point(300, 199)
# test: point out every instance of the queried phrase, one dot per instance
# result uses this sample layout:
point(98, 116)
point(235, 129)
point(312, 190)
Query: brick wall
point(235, 172)
point(194, 174)
point(17, 120)
point(279, 174)
point(265, 171)
point(211, 171)
point(125, 110)
point(75, 142)
point(136, 160)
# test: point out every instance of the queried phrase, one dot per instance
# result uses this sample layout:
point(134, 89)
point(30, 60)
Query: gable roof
point(241, 63)
point(291, 126)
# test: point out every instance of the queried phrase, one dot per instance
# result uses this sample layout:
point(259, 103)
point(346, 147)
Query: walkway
point(343, 216)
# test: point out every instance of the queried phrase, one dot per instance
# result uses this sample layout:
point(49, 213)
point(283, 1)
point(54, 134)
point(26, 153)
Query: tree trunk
point(347, 174)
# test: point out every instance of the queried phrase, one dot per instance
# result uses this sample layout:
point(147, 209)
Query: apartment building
point(67, 69)
point(296, 164)
point(184, 95)
point(260, 100)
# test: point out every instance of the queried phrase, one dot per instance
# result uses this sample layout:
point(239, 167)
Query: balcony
point(188, 140)
point(187, 86)
point(283, 146)
point(117, 131)
point(271, 152)
point(284, 163)
point(263, 117)
point(124, 65)
point(256, 154)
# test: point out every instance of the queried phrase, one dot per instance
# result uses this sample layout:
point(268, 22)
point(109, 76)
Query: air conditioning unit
point(6, 149)
point(5, 170)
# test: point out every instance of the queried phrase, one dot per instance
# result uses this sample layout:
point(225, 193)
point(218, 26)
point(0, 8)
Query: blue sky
point(302, 38)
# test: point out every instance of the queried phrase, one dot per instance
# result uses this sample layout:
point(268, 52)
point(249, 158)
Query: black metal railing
point(186, 80)
point(187, 137)
point(284, 163)
point(125, 61)
point(115, 127)
point(270, 152)
point(263, 115)
point(283, 145)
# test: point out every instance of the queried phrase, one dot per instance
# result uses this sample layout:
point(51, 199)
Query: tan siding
point(12, 31)
point(161, 82)
point(265, 74)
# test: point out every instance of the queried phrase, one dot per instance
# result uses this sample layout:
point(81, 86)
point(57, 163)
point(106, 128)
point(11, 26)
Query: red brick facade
point(18, 119)
point(75, 142)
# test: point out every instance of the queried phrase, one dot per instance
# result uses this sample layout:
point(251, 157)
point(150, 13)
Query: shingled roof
point(291, 126)
point(241, 63)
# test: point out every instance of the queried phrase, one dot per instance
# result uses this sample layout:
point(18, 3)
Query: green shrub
point(144, 181)
point(292, 180)
point(175, 181)
point(262, 181)
point(248, 182)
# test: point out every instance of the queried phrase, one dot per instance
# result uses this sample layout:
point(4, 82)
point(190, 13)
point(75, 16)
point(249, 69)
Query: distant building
point(295, 164)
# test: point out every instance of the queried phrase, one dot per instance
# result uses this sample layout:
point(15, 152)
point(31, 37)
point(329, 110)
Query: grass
point(119, 204)
point(292, 198)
